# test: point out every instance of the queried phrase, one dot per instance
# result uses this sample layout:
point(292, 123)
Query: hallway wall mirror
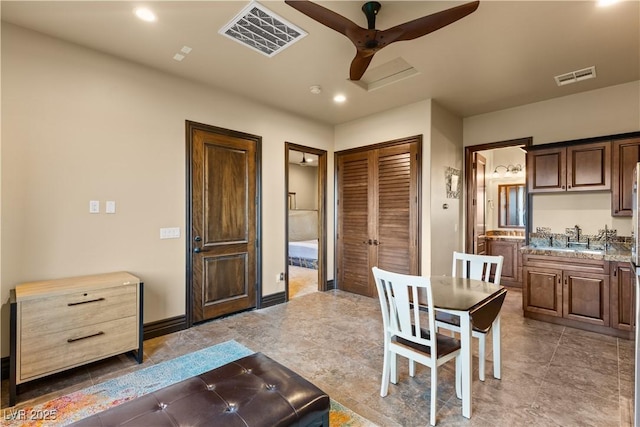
point(511, 200)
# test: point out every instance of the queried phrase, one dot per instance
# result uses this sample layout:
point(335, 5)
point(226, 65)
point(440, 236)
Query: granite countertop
point(506, 235)
point(611, 254)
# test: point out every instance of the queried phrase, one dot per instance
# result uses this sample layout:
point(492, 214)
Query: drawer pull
point(84, 338)
point(85, 302)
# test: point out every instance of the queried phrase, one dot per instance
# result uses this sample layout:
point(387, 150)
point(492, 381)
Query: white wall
point(78, 125)
point(445, 224)
point(402, 122)
point(303, 180)
point(608, 111)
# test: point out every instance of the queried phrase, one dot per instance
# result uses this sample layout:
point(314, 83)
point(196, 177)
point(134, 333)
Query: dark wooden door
point(224, 222)
point(378, 213)
point(356, 222)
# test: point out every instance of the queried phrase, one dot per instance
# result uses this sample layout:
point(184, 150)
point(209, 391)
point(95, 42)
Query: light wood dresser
point(65, 323)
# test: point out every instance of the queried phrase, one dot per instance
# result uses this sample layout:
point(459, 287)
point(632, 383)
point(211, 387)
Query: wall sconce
point(510, 171)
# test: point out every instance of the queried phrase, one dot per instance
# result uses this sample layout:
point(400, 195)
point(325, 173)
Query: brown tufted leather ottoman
point(252, 391)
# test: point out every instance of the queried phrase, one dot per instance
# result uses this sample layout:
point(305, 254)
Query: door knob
point(197, 250)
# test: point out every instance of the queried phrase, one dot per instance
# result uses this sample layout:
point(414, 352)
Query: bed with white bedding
point(304, 253)
point(303, 238)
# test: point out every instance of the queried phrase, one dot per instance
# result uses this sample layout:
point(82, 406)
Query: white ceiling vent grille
point(262, 30)
point(576, 76)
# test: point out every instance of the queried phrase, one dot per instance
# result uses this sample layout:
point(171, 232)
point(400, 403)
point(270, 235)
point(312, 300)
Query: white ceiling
point(503, 55)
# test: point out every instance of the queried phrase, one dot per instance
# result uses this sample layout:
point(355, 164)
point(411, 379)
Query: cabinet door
point(589, 167)
point(356, 210)
point(542, 290)
point(546, 170)
point(510, 266)
point(626, 155)
point(586, 297)
point(622, 287)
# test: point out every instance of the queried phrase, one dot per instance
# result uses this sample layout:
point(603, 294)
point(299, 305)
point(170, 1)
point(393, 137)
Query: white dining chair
point(478, 267)
point(405, 333)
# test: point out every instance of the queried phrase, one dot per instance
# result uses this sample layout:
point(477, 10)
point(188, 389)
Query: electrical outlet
point(281, 277)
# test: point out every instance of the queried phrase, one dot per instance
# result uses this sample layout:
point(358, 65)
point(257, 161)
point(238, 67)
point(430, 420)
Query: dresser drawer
point(65, 349)
point(47, 315)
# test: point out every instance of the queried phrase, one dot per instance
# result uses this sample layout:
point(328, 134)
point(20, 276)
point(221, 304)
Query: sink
point(577, 250)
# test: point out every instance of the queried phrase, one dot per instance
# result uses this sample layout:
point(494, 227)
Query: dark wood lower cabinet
point(512, 264)
point(623, 297)
point(594, 295)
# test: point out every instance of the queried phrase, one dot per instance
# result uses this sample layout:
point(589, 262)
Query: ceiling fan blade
point(359, 64)
point(428, 24)
point(324, 16)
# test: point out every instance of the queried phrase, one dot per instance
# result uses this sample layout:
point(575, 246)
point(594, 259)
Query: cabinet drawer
point(45, 354)
point(52, 314)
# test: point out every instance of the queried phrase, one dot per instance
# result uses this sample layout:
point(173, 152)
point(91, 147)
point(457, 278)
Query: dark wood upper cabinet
point(583, 167)
point(626, 155)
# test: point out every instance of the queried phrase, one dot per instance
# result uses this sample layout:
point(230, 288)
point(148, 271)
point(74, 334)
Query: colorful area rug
point(75, 406)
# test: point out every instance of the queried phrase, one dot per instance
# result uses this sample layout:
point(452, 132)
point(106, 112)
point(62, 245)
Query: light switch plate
point(170, 233)
point(110, 207)
point(94, 206)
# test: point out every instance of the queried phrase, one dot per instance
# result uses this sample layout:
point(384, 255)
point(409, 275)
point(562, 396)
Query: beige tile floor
point(552, 375)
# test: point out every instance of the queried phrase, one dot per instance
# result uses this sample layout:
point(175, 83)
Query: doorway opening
point(489, 167)
point(306, 237)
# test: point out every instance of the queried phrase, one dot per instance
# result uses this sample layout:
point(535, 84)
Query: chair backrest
point(478, 267)
point(400, 317)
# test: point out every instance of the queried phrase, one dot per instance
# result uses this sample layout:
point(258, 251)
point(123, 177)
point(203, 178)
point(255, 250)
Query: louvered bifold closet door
point(378, 213)
point(397, 198)
point(355, 226)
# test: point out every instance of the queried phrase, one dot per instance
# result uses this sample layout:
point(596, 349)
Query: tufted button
point(162, 406)
point(231, 408)
point(211, 387)
point(271, 386)
point(247, 370)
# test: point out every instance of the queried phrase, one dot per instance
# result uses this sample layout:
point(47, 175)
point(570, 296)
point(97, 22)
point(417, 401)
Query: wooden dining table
point(464, 297)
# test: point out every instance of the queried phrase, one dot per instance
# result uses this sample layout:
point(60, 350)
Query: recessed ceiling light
point(145, 14)
point(605, 3)
point(339, 98)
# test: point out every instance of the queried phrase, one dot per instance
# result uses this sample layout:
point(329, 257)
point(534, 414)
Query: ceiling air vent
point(576, 76)
point(262, 30)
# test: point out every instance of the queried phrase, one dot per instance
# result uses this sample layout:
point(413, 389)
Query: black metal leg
point(139, 353)
point(13, 388)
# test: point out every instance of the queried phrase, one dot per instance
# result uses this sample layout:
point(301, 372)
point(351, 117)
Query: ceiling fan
point(305, 161)
point(369, 41)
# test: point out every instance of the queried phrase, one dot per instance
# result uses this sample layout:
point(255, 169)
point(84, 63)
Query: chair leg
point(481, 355)
point(393, 360)
point(412, 368)
point(384, 385)
point(434, 390)
point(458, 377)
